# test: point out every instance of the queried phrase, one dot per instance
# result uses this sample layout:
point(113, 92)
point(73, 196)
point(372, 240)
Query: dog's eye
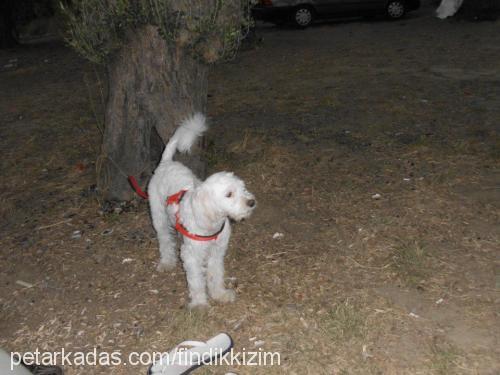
point(229, 194)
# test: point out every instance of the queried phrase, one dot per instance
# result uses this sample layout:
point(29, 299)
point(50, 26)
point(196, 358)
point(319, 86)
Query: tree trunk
point(7, 24)
point(152, 87)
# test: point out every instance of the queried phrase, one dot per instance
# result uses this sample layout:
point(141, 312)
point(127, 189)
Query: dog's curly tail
point(185, 136)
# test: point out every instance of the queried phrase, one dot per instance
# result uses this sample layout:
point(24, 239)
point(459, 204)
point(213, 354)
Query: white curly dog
point(200, 212)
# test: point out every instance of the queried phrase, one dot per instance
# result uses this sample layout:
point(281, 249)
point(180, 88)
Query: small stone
point(258, 343)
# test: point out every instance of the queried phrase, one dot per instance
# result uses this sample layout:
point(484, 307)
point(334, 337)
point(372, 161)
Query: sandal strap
point(178, 359)
point(191, 343)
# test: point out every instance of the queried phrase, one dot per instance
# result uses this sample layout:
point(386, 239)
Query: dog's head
point(224, 194)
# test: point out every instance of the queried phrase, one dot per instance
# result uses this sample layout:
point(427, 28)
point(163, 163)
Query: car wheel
point(396, 9)
point(302, 16)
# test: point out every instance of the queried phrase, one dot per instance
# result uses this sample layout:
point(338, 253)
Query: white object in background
point(5, 366)
point(448, 8)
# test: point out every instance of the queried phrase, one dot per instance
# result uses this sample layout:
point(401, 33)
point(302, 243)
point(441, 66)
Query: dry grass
point(444, 359)
point(410, 262)
point(344, 321)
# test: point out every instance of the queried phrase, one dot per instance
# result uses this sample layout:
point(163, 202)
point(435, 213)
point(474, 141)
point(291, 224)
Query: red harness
point(175, 199)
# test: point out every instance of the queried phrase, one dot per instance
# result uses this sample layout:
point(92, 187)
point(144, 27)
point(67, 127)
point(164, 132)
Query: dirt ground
point(373, 147)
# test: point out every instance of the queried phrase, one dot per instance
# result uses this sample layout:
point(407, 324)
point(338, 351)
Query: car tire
point(302, 16)
point(395, 9)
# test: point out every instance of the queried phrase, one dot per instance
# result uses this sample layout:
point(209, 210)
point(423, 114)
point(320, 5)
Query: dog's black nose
point(251, 202)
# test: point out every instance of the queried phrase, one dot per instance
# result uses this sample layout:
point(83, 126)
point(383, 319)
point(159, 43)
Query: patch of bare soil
point(372, 146)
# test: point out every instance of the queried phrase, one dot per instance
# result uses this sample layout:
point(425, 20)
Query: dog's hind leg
point(168, 256)
point(166, 237)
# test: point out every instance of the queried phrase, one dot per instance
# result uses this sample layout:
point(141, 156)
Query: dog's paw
point(165, 266)
point(225, 296)
point(197, 305)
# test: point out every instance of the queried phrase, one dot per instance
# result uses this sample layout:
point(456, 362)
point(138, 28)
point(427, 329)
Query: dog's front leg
point(192, 259)
point(215, 277)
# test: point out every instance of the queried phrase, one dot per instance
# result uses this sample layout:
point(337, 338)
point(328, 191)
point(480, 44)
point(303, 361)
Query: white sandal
point(189, 355)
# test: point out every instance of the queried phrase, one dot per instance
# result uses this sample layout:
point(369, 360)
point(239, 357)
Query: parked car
point(303, 12)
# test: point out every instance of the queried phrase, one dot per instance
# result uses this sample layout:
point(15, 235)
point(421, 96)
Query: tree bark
point(7, 24)
point(152, 86)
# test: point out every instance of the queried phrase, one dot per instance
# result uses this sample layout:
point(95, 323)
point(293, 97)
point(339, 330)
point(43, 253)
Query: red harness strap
point(137, 188)
point(176, 199)
point(171, 200)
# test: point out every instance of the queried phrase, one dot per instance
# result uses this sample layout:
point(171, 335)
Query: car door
point(328, 7)
point(355, 6)
point(374, 4)
point(332, 7)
